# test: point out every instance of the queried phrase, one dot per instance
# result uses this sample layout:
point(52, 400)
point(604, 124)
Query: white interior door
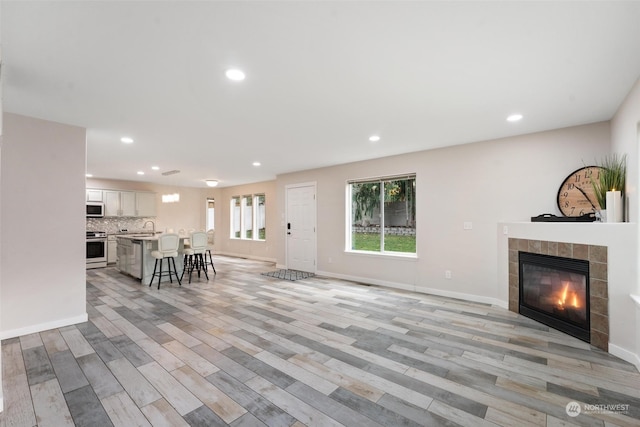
point(301, 227)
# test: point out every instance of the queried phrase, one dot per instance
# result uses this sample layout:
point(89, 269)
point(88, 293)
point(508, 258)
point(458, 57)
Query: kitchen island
point(134, 257)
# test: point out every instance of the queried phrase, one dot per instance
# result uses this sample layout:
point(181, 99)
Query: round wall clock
point(576, 196)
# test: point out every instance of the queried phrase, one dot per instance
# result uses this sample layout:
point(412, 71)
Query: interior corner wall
point(1, 109)
point(42, 186)
point(625, 138)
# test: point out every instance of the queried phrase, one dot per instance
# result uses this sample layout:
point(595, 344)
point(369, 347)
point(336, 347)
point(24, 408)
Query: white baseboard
point(253, 257)
point(31, 329)
point(626, 355)
point(418, 289)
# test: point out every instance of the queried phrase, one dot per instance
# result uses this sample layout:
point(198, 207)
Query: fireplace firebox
point(555, 291)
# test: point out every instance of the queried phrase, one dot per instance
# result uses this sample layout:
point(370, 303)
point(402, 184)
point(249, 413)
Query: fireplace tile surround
point(598, 266)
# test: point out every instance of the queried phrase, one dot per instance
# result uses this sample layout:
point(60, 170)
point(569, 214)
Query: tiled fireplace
point(596, 256)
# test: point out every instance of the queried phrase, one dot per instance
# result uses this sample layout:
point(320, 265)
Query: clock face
point(576, 196)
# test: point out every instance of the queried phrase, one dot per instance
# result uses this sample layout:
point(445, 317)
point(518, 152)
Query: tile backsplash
point(114, 224)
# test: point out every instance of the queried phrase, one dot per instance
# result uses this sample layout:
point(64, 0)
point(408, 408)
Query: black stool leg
point(154, 272)
point(204, 264)
point(169, 264)
point(184, 265)
point(191, 266)
point(175, 271)
point(187, 264)
point(160, 276)
point(211, 260)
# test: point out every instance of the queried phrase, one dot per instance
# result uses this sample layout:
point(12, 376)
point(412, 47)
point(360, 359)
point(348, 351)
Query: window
point(235, 217)
point(211, 223)
point(261, 223)
point(248, 216)
point(383, 215)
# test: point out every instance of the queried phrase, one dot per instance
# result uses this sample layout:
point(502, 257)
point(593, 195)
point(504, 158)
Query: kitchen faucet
point(152, 223)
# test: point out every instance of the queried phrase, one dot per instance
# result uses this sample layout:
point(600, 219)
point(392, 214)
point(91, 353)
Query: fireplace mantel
point(620, 240)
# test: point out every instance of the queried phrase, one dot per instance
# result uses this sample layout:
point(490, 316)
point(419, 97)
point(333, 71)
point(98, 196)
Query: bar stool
point(210, 240)
point(167, 249)
point(194, 254)
point(187, 242)
point(186, 245)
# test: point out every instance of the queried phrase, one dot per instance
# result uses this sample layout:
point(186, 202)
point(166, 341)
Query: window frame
point(235, 216)
point(349, 214)
point(246, 220)
point(210, 213)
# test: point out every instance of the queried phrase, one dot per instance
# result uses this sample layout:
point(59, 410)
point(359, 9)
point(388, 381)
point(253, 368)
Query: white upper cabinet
point(146, 204)
point(129, 203)
point(94, 195)
point(111, 203)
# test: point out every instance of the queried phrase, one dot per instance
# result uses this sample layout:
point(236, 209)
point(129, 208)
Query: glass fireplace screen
point(555, 291)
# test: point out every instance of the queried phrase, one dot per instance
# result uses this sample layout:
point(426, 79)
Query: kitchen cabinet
point(130, 256)
point(112, 249)
point(119, 203)
point(124, 255)
point(145, 204)
point(127, 203)
point(111, 203)
point(136, 259)
point(94, 195)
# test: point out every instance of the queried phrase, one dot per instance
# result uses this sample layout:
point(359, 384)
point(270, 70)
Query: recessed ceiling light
point(211, 182)
point(155, 168)
point(374, 138)
point(126, 140)
point(235, 74)
point(514, 117)
point(256, 163)
point(89, 175)
point(140, 173)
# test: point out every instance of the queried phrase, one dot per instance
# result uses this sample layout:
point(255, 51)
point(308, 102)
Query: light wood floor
point(247, 350)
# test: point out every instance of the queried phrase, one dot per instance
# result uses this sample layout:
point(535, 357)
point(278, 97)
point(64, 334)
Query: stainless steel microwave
point(95, 210)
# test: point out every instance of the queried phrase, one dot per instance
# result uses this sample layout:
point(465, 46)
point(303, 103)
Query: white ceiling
point(321, 77)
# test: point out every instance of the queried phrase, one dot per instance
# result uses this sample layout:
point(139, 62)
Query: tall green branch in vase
point(611, 177)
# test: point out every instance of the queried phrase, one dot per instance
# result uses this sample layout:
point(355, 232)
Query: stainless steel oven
point(96, 249)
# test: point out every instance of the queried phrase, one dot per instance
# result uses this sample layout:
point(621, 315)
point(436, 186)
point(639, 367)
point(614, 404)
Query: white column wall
point(1, 395)
point(42, 184)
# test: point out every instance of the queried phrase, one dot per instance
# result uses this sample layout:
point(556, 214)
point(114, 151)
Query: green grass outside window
point(371, 242)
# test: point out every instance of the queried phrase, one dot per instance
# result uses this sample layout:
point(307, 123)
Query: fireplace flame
point(563, 298)
point(568, 296)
